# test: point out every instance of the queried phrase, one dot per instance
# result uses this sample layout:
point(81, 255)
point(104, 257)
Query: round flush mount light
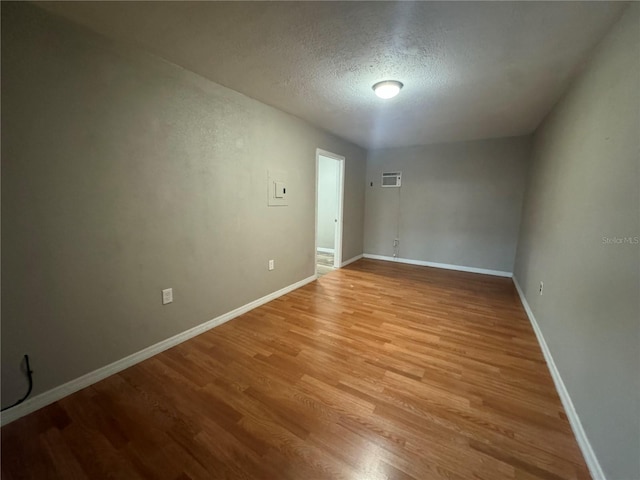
point(387, 89)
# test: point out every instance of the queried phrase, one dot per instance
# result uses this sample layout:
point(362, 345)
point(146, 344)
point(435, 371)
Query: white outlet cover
point(272, 264)
point(167, 296)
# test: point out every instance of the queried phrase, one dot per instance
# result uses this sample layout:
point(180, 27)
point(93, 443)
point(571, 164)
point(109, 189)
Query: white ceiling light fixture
point(388, 88)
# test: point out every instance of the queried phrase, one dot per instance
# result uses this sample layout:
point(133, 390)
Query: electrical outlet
point(167, 296)
point(396, 242)
point(272, 264)
point(541, 287)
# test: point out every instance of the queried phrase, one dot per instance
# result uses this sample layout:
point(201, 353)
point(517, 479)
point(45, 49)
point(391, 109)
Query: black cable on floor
point(29, 372)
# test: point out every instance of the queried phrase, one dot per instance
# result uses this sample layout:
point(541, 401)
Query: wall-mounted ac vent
point(391, 179)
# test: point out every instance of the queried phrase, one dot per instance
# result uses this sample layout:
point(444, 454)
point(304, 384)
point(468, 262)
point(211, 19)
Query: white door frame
point(337, 258)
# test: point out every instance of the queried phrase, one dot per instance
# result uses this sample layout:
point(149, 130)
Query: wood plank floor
point(376, 371)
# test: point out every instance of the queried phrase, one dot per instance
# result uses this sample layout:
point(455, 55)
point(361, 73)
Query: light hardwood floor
point(377, 371)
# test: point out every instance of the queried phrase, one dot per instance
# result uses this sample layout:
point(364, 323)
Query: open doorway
point(329, 206)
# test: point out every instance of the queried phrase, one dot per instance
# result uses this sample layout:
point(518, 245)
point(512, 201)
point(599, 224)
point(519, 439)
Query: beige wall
point(123, 175)
point(459, 203)
point(583, 187)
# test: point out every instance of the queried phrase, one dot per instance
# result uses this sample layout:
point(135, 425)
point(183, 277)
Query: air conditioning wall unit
point(391, 179)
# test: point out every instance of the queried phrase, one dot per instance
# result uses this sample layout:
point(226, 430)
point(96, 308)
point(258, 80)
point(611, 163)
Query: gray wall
point(583, 187)
point(123, 175)
point(327, 202)
point(459, 203)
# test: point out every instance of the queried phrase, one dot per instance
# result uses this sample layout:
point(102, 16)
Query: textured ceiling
point(470, 69)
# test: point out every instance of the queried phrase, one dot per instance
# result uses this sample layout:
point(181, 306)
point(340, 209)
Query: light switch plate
point(277, 179)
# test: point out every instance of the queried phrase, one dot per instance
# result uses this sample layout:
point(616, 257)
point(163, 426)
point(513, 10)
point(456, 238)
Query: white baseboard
point(446, 266)
point(55, 394)
point(351, 260)
point(587, 451)
point(326, 250)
